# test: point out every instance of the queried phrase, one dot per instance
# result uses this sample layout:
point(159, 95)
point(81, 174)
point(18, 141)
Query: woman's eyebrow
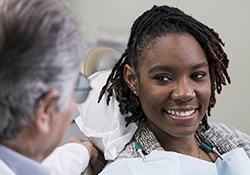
point(168, 68)
point(160, 68)
point(200, 65)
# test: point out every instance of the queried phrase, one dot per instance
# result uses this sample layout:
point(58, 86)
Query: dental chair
point(98, 59)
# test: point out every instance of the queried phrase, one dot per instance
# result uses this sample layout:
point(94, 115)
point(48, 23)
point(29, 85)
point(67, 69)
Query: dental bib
point(235, 162)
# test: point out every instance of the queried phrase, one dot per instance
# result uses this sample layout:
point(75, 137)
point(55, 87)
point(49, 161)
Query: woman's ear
point(46, 110)
point(130, 78)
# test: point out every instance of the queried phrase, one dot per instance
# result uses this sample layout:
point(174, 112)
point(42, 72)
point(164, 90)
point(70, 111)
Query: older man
point(40, 53)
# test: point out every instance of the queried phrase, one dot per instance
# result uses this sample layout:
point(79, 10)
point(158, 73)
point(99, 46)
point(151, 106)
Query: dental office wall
point(108, 22)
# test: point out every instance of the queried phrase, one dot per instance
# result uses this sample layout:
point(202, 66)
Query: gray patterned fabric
point(221, 136)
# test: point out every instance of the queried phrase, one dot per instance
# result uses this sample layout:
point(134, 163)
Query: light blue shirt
point(20, 164)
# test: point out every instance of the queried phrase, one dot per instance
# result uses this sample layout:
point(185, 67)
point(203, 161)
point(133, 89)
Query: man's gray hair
point(40, 50)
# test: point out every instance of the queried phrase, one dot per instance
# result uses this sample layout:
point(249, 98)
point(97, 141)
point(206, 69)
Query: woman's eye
point(163, 78)
point(198, 75)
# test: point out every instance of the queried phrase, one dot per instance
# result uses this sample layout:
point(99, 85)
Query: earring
point(134, 92)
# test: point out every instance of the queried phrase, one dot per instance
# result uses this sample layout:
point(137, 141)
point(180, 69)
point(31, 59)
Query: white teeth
point(181, 114)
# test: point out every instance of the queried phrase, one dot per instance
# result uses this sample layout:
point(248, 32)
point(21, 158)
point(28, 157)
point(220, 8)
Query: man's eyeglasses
point(82, 89)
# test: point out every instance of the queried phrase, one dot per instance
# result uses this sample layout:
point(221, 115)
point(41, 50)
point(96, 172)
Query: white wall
point(112, 19)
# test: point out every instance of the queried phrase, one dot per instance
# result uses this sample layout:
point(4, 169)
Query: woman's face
point(173, 85)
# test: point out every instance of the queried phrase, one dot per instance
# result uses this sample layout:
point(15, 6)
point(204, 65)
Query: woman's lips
point(181, 115)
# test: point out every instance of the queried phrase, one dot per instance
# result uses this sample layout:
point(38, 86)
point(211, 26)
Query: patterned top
point(221, 136)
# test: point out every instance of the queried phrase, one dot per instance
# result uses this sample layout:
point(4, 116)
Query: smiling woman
point(179, 93)
point(166, 81)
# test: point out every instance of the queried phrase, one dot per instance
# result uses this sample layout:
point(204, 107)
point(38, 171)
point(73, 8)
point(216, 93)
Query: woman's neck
point(187, 144)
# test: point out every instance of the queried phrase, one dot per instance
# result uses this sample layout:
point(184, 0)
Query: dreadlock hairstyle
point(152, 24)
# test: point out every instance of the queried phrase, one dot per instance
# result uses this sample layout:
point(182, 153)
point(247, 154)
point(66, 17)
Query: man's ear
point(130, 78)
point(46, 109)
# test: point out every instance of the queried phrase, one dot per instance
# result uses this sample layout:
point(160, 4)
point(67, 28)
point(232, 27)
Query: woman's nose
point(184, 91)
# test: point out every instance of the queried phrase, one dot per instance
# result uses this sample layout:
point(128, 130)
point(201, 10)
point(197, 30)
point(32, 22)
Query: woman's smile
point(181, 115)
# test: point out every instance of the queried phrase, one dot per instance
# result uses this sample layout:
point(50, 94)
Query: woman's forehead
point(174, 48)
